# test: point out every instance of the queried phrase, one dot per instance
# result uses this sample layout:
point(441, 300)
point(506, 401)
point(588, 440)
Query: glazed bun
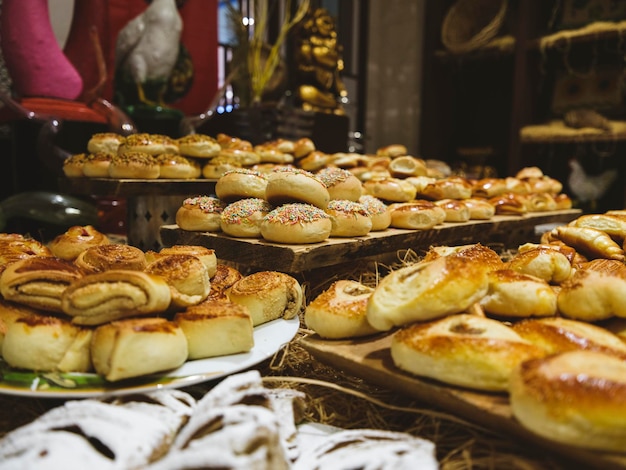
point(379, 212)
point(75, 240)
point(452, 187)
point(416, 215)
point(47, 343)
point(455, 210)
point(134, 165)
point(152, 144)
point(268, 295)
point(241, 183)
point(465, 350)
point(341, 183)
point(106, 142)
point(296, 224)
point(100, 258)
point(200, 214)
point(479, 208)
point(406, 166)
point(545, 263)
point(139, 346)
point(340, 311)
point(174, 166)
point(348, 218)
point(288, 185)
point(574, 398)
point(198, 146)
point(227, 324)
point(243, 218)
point(390, 189)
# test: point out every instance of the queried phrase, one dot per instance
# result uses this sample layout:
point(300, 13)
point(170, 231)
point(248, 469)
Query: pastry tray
point(508, 230)
point(370, 359)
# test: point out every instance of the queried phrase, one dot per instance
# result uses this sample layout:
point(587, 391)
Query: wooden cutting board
point(370, 359)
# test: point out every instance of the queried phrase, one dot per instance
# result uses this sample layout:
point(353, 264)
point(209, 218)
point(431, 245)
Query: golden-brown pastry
point(187, 277)
point(296, 224)
point(270, 152)
point(315, 161)
point(47, 343)
point(225, 276)
point(455, 209)
point(288, 185)
point(9, 312)
point(452, 187)
point(241, 183)
point(341, 183)
point(216, 328)
point(574, 398)
point(392, 150)
point(268, 295)
point(107, 142)
point(97, 164)
point(563, 201)
point(516, 185)
point(479, 208)
point(465, 350)
point(529, 172)
point(575, 258)
point(390, 189)
point(591, 242)
point(200, 214)
point(540, 202)
point(111, 295)
point(17, 248)
point(514, 294)
point(242, 156)
point(489, 187)
point(477, 252)
point(378, 210)
point(74, 164)
point(75, 240)
point(38, 281)
point(592, 294)
point(206, 255)
point(557, 335)
point(348, 218)
point(243, 217)
point(340, 311)
point(99, 258)
point(612, 225)
point(151, 144)
point(135, 347)
point(406, 166)
point(303, 147)
point(417, 214)
point(427, 290)
point(198, 146)
point(509, 204)
point(134, 165)
point(217, 166)
point(543, 262)
point(174, 166)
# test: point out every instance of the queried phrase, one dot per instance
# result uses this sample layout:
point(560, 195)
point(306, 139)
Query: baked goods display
point(348, 218)
point(243, 217)
point(100, 258)
point(200, 213)
point(296, 223)
point(76, 239)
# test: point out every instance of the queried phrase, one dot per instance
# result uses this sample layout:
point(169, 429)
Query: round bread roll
point(455, 210)
point(296, 224)
point(418, 214)
point(100, 258)
point(529, 172)
point(390, 189)
point(489, 187)
point(392, 150)
point(198, 146)
point(217, 166)
point(105, 142)
point(152, 144)
point(612, 225)
point(378, 210)
point(174, 166)
point(227, 141)
point(406, 166)
point(134, 165)
point(474, 252)
point(74, 164)
point(200, 214)
point(452, 187)
point(540, 202)
point(465, 350)
point(516, 185)
point(242, 183)
point(46, 343)
point(17, 248)
point(303, 147)
point(243, 218)
point(271, 153)
point(509, 204)
point(557, 335)
point(545, 263)
point(288, 185)
point(227, 324)
point(513, 294)
point(187, 277)
point(479, 208)
point(347, 159)
point(204, 254)
point(341, 183)
point(268, 295)
point(75, 240)
point(428, 290)
point(135, 347)
point(315, 161)
point(97, 165)
point(575, 398)
point(340, 311)
point(9, 313)
point(563, 201)
point(348, 218)
point(242, 156)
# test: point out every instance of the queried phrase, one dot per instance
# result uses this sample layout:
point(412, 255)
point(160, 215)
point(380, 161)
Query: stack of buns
point(120, 312)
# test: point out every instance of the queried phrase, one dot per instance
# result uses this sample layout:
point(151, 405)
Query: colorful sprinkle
point(207, 204)
point(349, 207)
point(373, 205)
point(240, 211)
point(296, 213)
point(330, 176)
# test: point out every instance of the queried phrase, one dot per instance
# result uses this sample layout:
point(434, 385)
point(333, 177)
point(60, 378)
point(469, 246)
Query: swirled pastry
point(204, 254)
point(100, 258)
point(543, 262)
point(14, 248)
point(340, 311)
point(38, 282)
point(591, 242)
point(612, 225)
point(111, 295)
point(225, 276)
point(75, 240)
point(466, 350)
point(268, 295)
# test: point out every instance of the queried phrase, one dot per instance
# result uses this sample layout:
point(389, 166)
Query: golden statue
point(318, 61)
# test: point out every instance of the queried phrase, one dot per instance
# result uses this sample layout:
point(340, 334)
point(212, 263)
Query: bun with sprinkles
point(379, 212)
point(241, 183)
point(296, 223)
point(341, 183)
point(200, 214)
point(243, 218)
point(287, 185)
point(349, 218)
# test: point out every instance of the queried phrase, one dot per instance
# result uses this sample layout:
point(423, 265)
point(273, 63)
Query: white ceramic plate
point(268, 339)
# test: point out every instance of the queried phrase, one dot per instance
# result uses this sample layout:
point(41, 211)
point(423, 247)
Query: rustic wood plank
point(370, 359)
point(509, 230)
point(137, 187)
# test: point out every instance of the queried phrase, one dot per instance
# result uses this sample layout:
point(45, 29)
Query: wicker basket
point(470, 24)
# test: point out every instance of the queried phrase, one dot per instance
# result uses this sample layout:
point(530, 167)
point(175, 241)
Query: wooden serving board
point(508, 230)
point(370, 359)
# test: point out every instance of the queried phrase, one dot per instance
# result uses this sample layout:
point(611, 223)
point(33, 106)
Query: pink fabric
point(34, 59)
